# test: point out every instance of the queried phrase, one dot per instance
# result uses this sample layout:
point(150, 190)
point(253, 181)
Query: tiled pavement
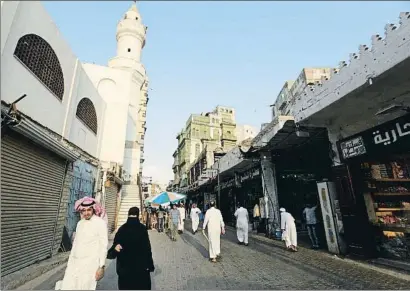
point(264, 264)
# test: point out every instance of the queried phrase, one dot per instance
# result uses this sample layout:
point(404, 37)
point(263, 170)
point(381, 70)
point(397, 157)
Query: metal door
point(83, 180)
point(31, 186)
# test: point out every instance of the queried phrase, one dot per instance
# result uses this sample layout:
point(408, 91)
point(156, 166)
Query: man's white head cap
point(282, 209)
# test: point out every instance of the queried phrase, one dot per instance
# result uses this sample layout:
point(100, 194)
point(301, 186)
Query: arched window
point(87, 114)
point(197, 150)
point(39, 57)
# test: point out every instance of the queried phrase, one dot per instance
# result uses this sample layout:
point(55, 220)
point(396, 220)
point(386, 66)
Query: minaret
point(130, 41)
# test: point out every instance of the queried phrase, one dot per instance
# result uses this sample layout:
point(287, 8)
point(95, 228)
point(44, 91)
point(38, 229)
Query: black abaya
point(134, 261)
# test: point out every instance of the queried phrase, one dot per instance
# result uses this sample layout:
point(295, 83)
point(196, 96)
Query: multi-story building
point(146, 183)
point(244, 132)
point(202, 136)
point(292, 89)
point(283, 99)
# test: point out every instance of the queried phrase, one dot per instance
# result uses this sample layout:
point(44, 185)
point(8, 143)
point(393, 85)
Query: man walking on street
point(132, 249)
point(242, 224)
point(310, 216)
point(161, 219)
point(175, 219)
point(288, 226)
point(182, 213)
point(195, 211)
point(215, 223)
point(86, 263)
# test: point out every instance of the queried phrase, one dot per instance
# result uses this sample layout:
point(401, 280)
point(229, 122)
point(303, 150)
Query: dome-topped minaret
point(130, 41)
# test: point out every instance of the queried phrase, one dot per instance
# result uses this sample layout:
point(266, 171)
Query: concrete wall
point(79, 133)
point(24, 17)
point(114, 87)
point(364, 65)
point(40, 104)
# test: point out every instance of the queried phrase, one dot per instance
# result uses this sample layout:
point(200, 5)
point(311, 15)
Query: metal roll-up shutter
point(31, 183)
point(111, 205)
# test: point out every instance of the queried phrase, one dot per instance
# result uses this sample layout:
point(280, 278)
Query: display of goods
point(389, 204)
point(376, 173)
point(405, 204)
point(398, 170)
point(394, 189)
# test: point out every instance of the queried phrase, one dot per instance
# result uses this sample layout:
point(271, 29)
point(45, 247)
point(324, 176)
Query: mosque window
point(38, 56)
point(87, 114)
point(129, 50)
point(136, 18)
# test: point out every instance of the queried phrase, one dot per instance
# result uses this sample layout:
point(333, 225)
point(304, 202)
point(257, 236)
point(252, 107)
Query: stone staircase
point(130, 197)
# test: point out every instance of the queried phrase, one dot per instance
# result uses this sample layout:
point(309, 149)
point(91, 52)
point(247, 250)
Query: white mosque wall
point(114, 86)
point(19, 18)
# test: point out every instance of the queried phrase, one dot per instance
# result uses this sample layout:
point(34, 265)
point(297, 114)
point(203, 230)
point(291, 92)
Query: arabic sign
point(353, 147)
point(393, 136)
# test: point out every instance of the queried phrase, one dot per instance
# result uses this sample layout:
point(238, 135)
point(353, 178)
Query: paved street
point(264, 264)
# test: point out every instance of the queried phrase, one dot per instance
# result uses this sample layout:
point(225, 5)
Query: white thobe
point(181, 222)
point(195, 218)
point(242, 224)
point(287, 223)
point(215, 223)
point(88, 253)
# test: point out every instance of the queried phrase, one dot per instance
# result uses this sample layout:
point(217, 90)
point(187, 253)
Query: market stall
point(379, 162)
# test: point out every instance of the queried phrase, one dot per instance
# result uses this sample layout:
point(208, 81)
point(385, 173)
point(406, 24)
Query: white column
point(270, 191)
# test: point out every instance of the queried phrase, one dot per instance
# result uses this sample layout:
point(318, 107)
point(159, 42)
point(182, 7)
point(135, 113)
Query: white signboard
point(328, 221)
point(352, 148)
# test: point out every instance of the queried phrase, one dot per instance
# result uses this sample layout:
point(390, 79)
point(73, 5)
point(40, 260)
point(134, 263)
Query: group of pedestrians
point(131, 248)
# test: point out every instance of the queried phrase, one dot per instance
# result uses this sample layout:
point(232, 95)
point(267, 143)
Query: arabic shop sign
point(250, 174)
point(393, 136)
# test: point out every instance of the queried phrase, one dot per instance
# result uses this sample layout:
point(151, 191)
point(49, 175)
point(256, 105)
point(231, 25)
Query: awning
point(41, 136)
point(289, 136)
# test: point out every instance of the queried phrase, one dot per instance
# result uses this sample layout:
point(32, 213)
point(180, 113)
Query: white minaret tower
point(130, 42)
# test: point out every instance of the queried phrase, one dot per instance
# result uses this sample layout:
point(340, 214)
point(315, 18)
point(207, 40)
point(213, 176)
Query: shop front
point(250, 194)
point(298, 169)
point(376, 212)
point(228, 200)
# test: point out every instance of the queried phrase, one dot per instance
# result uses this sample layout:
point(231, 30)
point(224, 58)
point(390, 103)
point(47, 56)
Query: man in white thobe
point(195, 211)
point(215, 223)
point(288, 227)
point(86, 263)
point(181, 223)
point(242, 225)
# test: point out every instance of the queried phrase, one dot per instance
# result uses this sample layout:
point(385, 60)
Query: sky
point(201, 54)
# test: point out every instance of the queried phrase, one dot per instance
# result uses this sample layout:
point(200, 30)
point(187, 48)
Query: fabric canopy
point(166, 198)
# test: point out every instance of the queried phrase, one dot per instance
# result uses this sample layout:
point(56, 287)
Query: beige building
point(292, 89)
point(244, 132)
point(202, 135)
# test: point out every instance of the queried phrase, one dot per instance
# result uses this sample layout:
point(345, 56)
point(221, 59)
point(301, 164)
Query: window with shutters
point(39, 57)
point(87, 114)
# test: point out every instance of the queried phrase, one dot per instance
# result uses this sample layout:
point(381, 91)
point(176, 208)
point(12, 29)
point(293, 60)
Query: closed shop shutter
point(111, 205)
point(31, 182)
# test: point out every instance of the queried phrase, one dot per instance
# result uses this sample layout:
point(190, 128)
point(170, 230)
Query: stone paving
point(264, 264)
